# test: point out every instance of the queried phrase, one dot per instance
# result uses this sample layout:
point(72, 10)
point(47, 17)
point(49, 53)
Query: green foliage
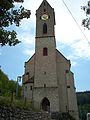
point(8, 87)
point(8, 16)
point(8, 93)
point(83, 99)
point(8, 37)
point(83, 110)
point(3, 82)
point(86, 21)
point(18, 103)
point(5, 101)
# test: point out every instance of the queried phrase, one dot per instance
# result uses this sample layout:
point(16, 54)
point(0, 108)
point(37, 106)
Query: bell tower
point(45, 79)
point(45, 20)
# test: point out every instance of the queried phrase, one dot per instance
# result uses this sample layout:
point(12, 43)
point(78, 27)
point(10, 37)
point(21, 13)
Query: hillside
point(83, 100)
point(83, 97)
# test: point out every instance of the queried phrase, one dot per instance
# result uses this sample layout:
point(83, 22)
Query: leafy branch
point(86, 21)
point(9, 16)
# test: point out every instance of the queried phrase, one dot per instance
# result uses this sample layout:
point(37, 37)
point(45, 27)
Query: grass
point(18, 103)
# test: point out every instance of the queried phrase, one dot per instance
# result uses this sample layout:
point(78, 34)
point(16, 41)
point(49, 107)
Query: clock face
point(44, 17)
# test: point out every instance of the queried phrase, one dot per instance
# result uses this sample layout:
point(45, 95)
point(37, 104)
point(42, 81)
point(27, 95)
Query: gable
point(61, 59)
point(29, 66)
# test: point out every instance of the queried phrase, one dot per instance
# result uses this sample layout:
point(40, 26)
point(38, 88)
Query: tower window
point(45, 51)
point(44, 28)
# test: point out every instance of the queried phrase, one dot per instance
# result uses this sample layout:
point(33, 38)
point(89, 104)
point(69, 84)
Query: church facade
point(48, 81)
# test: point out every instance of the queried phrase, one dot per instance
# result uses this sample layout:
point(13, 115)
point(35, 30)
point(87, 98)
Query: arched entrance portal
point(45, 104)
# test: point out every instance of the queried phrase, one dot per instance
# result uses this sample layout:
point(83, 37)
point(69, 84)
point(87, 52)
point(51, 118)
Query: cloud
point(78, 49)
point(66, 30)
point(26, 34)
point(27, 39)
point(28, 52)
point(28, 43)
point(70, 35)
point(81, 49)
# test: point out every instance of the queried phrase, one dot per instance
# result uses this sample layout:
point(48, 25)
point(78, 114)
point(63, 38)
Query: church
point(48, 81)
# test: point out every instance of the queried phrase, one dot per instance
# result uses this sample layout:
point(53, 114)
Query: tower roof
point(44, 2)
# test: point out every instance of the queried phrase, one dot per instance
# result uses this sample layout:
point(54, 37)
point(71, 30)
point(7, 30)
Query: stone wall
point(10, 113)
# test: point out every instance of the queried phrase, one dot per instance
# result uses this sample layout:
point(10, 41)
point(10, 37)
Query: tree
point(83, 100)
point(3, 82)
point(10, 15)
point(86, 21)
point(8, 86)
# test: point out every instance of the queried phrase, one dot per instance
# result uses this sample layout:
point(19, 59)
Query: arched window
point(44, 28)
point(45, 51)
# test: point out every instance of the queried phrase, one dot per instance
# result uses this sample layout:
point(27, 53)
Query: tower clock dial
point(44, 17)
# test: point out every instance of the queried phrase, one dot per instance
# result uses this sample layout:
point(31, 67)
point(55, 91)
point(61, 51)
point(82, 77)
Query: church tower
point(48, 81)
point(45, 82)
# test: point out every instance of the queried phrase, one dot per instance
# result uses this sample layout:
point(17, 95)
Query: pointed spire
point(44, 3)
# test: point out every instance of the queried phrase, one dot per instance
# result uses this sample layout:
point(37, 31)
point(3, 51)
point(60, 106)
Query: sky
point(70, 41)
